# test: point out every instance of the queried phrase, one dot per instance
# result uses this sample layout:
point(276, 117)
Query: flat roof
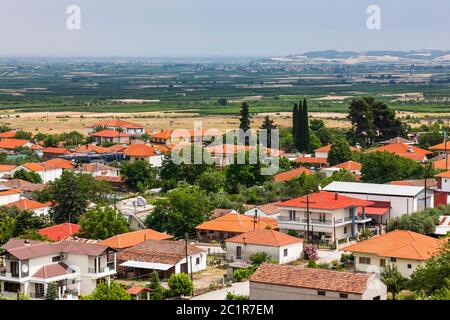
point(373, 188)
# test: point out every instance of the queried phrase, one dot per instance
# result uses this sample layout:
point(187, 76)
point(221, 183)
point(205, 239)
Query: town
point(358, 213)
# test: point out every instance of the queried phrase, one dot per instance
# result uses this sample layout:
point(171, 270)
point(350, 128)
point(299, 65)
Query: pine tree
point(157, 292)
point(268, 125)
point(306, 139)
point(298, 128)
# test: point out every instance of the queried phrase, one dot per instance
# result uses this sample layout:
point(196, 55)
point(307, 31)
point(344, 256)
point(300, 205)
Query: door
point(238, 253)
point(184, 268)
point(39, 290)
point(440, 198)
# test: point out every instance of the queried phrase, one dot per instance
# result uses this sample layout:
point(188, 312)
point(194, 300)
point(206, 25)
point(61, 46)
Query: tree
point(295, 111)
point(306, 144)
point(102, 223)
point(157, 292)
point(27, 176)
point(96, 190)
point(51, 141)
point(222, 102)
point(340, 152)
point(421, 222)
point(442, 293)
point(7, 225)
point(71, 199)
point(298, 127)
point(259, 258)
point(212, 181)
point(52, 291)
point(268, 125)
point(310, 252)
point(182, 210)
point(15, 222)
point(317, 124)
point(382, 167)
point(23, 135)
point(104, 292)
point(180, 285)
point(139, 175)
point(394, 280)
point(429, 139)
point(244, 120)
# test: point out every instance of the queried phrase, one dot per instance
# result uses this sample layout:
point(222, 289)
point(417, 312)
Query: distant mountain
point(354, 57)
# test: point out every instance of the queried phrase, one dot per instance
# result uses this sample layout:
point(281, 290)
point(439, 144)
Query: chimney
point(410, 149)
point(27, 243)
point(336, 196)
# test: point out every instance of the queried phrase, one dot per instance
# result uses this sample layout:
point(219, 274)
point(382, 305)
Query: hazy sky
point(218, 27)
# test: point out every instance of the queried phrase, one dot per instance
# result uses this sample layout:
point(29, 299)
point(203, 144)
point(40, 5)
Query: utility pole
point(425, 182)
point(307, 217)
point(445, 145)
point(186, 238)
point(255, 218)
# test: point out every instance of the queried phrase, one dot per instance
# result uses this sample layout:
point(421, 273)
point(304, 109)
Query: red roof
point(270, 238)
point(162, 135)
point(135, 290)
point(8, 134)
point(59, 163)
point(12, 143)
point(117, 123)
point(140, 150)
point(445, 174)
point(52, 270)
point(403, 150)
point(291, 174)
point(56, 150)
point(327, 148)
point(442, 164)
point(60, 231)
point(311, 160)
point(90, 148)
point(235, 222)
point(441, 147)
point(349, 165)
point(7, 167)
point(27, 204)
point(130, 239)
point(326, 200)
point(110, 134)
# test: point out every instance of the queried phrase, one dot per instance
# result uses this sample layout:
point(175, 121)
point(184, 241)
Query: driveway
point(237, 288)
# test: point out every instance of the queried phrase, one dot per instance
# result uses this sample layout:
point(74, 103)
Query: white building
point(399, 199)
point(165, 256)
point(29, 266)
point(270, 210)
point(130, 128)
point(48, 172)
point(286, 282)
point(38, 208)
point(9, 195)
point(406, 250)
point(98, 169)
point(282, 247)
point(331, 216)
point(144, 152)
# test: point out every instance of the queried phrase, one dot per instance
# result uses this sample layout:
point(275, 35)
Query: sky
point(156, 28)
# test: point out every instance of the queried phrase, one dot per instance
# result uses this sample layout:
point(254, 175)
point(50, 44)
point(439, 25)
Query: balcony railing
point(314, 221)
point(8, 274)
point(100, 270)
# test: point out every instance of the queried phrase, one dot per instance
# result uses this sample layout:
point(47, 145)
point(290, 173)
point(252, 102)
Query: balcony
point(9, 276)
point(317, 222)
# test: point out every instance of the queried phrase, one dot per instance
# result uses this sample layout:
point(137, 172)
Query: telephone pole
point(255, 218)
point(186, 238)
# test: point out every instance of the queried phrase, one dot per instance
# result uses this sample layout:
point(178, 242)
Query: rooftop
point(373, 188)
point(269, 238)
point(118, 123)
point(349, 165)
point(239, 223)
point(27, 204)
point(140, 150)
point(291, 174)
point(326, 201)
point(60, 231)
point(110, 134)
point(129, 239)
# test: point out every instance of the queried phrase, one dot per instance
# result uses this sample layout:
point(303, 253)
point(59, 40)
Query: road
point(237, 288)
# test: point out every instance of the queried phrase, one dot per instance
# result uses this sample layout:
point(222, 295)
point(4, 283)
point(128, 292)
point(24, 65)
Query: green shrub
point(232, 296)
point(180, 285)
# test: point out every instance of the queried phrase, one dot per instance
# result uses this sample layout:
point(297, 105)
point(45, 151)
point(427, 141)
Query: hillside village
point(351, 214)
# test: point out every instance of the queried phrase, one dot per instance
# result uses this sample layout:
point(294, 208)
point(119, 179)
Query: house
point(441, 148)
point(60, 231)
point(12, 144)
point(144, 152)
point(405, 249)
point(90, 149)
point(443, 185)
point(323, 152)
point(443, 228)
point(111, 136)
point(8, 134)
point(395, 199)
point(439, 197)
point(26, 204)
point(127, 127)
point(442, 164)
point(286, 282)
point(165, 256)
point(48, 172)
point(116, 183)
point(130, 239)
point(163, 137)
point(98, 169)
point(352, 166)
point(329, 216)
point(404, 151)
point(53, 152)
point(312, 161)
point(28, 188)
point(281, 247)
point(398, 140)
point(231, 225)
point(77, 268)
point(59, 163)
point(269, 210)
point(291, 174)
point(9, 195)
point(139, 293)
point(6, 170)
point(224, 154)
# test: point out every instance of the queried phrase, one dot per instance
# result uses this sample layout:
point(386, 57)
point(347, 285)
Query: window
point(364, 260)
point(409, 266)
point(197, 260)
point(382, 262)
point(56, 259)
point(393, 259)
point(238, 252)
point(345, 230)
point(285, 252)
point(292, 215)
point(322, 217)
point(321, 293)
point(343, 295)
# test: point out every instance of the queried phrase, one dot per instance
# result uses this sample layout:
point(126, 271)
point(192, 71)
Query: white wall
point(294, 251)
point(10, 198)
point(261, 213)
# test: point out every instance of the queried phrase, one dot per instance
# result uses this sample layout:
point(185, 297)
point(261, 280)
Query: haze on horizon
point(159, 28)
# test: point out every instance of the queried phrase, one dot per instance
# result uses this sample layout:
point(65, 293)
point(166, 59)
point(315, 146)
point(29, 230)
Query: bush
point(232, 296)
point(180, 285)
point(243, 274)
point(310, 252)
point(259, 258)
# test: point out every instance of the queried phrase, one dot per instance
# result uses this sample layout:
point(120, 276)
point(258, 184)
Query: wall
point(294, 251)
point(374, 267)
point(9, 198)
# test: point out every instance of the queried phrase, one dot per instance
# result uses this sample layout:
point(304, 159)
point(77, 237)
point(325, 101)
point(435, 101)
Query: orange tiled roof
point(269, 208)
point(9, 192)
point(36, 147)
point(291, 174)
point(27, 204)
point(139, 150)
point(135, 290)
point(89, 148)
point(38, 167)
point(162, 135)
point(8, 134)
point(403, 150)
point(445, 174)
point(440, 147)
point(59, 163)
point(7, 167)
point(403, 244)
point(317, 279)
point(60, 231)
point(235, 222)
point(108, 178)
point(12, 143)
point(325, 200)
point(117, 123)
point(116, 148)
point(327, 148)
point(110, 134)
point(311, 160)
point(55, 150)
point(349, 165)
point(442, 164)
point(269, 238)
point(131, 239)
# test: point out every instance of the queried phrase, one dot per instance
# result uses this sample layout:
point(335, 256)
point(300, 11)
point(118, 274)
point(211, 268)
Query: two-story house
point(327, 216)
point(29, 267)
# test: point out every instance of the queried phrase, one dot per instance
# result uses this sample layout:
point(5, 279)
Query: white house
point(405, 249)
point(130, 128)
point(395, 199)
point(29, 266)
point(331, 216)
point(286, 282)
point(443, 181)
point(282, 247)
point(98, 169)
point(165, 256)
point(111, 136)
point(9, 195)
point(26, 204)
point(352, 166)
point(48, 172)
point(6, 169)
point(144, 152)
point(269, 210)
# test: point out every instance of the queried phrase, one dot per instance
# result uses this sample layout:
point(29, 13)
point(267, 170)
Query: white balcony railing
point(298, 220)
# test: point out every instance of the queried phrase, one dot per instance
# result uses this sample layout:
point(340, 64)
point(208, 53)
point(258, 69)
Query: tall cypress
point(298, 128)
point(305, 118)
point(245, 117)
point(294, 120)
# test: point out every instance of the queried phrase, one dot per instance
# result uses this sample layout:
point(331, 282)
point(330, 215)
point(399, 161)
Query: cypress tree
point(305, 119)
point(298, 128)
point(268, 125)
point(245, 117)
point(294, 120)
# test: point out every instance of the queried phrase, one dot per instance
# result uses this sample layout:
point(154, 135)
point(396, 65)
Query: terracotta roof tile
point(140, 150)
point(325, 200)
point(235, 222)
point(59, 163)
point(270, 238)
point(7, 167)
point(440, 147)
point(27, 204)
point(291, 174)
point(130, 239)
point(269, 208)
point(135, 290)
point(54, 150)
point(8, 134)
point(24, 185)
point(311, 160)
point(110, 134)
point(12, 144)
point(52, 270)
point(91, 148)
point(318, 279)
point(60, 231)
point(403, 150)
point(349, 165)
point(118, 123)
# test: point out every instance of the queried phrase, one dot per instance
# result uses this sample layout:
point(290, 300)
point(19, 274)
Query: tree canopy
point(102, 223)
point(139, 175)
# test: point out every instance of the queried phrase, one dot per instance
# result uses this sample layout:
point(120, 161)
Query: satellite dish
point(24, 268)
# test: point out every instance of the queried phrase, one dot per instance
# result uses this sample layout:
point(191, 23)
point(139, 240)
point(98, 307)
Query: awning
point(374, 211)
point(147, 265)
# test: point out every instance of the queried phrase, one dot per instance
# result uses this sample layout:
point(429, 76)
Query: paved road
point(237, 288)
